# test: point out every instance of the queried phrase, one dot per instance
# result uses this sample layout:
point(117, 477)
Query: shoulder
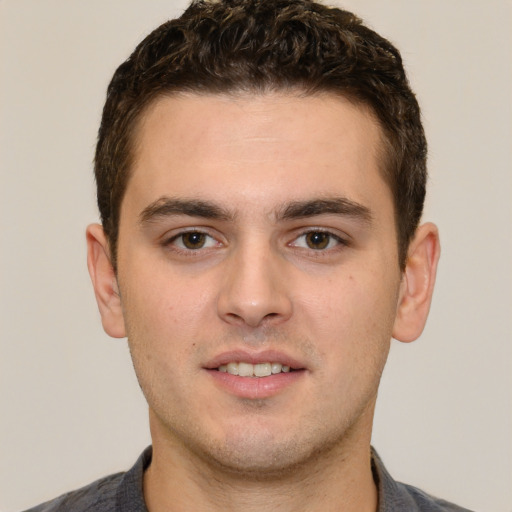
point(424, 502)
point(121, 492)
point(397, 497)
point(100, 496)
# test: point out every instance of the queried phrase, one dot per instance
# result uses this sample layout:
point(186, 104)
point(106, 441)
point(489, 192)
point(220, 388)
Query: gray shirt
point(122, 492)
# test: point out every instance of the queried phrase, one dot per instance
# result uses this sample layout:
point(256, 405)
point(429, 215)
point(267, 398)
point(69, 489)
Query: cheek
point(164, 300)
point(161, 324)
point(353, 317)
point(163, 317)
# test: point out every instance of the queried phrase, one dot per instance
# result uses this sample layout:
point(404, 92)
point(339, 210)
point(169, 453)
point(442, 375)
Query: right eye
point(193, 241)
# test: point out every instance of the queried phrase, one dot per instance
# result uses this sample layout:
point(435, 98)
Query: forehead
point(256, 146)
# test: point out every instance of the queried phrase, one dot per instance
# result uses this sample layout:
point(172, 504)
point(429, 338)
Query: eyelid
point(169, 240)
point(342, 240)
point(178, 231)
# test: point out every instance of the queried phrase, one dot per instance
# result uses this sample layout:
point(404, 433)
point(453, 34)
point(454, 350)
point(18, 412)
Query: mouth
point(259, 370)
point(255, 375)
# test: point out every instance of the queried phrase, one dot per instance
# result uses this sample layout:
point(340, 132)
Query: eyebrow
point(168, 207)
point(326, 206)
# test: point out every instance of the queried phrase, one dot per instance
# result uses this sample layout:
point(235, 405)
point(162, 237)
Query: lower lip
point(255, 387)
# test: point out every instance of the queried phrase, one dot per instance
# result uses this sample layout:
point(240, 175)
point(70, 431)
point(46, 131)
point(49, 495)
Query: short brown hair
point(221, 46)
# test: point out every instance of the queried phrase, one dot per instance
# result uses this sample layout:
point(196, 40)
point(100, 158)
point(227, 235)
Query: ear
point(417, 284)
point(104, 282)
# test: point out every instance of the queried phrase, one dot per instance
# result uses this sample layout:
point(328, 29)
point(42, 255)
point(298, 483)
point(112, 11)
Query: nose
point(255, 289)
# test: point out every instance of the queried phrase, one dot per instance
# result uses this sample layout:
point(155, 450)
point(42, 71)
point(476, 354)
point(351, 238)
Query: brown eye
point(194, 240)
point(317, 240)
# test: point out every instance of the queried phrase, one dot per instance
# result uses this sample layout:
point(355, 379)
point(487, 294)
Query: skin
point(257, 281)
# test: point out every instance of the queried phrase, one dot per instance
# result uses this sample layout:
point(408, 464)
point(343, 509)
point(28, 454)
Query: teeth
point(232, 368)
point(262, 370)
point(276, 367)
point(253, 370)
point(245, 369)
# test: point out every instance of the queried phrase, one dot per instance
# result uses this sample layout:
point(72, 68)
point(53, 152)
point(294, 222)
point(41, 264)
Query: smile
point(253, 370)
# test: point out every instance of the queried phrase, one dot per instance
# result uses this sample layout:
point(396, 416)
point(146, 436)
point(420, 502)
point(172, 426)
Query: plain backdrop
point(71, 410)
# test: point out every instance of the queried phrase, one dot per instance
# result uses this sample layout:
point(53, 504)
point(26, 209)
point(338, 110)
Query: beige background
point(70, 408)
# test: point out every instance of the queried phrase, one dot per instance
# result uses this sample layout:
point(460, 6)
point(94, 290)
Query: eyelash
point(173, 242)
point(339, 241)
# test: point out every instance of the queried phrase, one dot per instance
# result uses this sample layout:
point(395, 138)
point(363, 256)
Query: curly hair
point(258, 46)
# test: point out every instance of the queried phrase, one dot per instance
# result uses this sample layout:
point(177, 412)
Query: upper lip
point(245, 356)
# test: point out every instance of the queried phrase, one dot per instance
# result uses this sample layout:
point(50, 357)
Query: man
point(261, 171)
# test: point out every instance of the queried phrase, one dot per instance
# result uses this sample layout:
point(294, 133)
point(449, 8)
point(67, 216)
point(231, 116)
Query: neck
point(340, 479)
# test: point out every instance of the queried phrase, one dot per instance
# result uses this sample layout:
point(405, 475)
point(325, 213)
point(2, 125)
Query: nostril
point(236, 318)
point(270, 315)
point(252, 298)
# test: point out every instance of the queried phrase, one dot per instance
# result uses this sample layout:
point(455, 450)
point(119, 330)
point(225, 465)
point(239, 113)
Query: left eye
point(316, 240)
point(193, 240)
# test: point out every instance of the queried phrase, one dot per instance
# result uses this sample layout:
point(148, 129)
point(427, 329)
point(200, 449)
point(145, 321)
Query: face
point(258, 275)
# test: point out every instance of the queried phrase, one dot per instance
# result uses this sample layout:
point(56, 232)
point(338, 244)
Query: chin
point(262, 455)
point(267, 464)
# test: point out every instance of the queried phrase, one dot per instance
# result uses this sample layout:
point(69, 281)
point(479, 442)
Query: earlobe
point(417, 284)
point(104, 282)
